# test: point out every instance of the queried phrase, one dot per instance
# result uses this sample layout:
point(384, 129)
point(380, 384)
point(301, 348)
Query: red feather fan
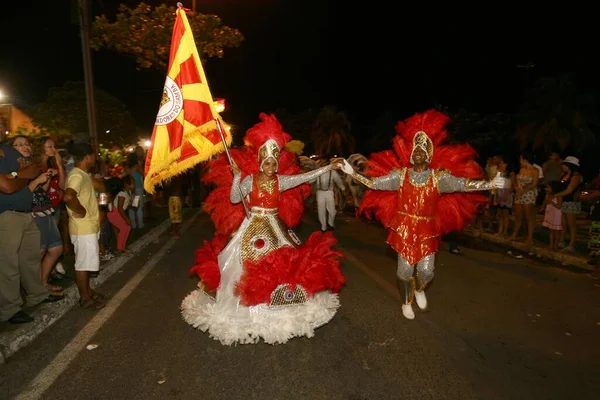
point(314, 265)
point(455, 210)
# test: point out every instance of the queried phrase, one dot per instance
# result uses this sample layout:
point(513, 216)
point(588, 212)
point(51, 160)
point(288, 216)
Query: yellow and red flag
point(185, 131)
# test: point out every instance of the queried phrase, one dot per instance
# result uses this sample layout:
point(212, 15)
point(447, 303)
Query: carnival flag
point(185, 131)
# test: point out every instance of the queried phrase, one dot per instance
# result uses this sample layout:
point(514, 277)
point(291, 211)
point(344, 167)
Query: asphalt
point(15, 337)
point(496, 328)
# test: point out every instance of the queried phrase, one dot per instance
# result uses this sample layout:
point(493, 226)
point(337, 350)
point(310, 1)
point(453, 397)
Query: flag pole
point(222, 133)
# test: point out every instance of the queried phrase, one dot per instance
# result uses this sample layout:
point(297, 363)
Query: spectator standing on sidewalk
point(592, 195)
point(42, 209)
point(571, 206)
point(118, 212)
point(84, 222)
point(552, 213)
point(51, 159)
point(525, 185)
point(504, 197)
point(552, 168)
point(20, 244)
point(136, 209)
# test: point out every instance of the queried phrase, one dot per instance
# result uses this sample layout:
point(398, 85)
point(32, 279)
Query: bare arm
point(40, 180)
point(99, 185)
point(122, 213)
point(72, 201)
point(534, 181)
point(62, 176)
point(10, 185)
point(575, 182)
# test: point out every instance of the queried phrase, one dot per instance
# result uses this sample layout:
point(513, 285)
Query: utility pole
point(84, 28)
point(194, 5)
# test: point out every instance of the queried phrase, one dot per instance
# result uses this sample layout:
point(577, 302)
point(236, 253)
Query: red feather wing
point(378, 203)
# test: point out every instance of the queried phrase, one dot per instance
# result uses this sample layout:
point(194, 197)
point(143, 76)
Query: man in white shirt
point(326, 197)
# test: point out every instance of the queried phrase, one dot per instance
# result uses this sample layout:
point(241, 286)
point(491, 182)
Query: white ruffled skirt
point(230, 322)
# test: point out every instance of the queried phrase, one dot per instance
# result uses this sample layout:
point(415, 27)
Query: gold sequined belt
point(416, 216)
point(264, 211)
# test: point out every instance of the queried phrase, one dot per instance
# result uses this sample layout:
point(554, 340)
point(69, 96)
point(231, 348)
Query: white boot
point(407, 311)
point(421, 299)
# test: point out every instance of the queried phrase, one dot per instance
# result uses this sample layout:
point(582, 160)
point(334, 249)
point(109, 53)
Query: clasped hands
point(341, 163)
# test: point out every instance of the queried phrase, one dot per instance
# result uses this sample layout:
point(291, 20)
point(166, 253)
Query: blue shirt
point(18, 201)
point(138, 178)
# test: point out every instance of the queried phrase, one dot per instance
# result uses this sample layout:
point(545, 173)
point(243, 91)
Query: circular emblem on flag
point(170, 104)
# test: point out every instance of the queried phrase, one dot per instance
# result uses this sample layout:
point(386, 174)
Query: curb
point(47, 314)
point(541, 252)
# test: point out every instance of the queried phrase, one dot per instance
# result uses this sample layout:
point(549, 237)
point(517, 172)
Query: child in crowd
point(553, 214)
point(122, 195)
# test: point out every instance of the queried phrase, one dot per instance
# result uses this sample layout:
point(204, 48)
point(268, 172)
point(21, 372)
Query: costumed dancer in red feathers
point(418, 204)
point(257, 279)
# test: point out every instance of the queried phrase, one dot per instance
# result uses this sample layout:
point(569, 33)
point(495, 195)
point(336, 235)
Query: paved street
point(496, 328)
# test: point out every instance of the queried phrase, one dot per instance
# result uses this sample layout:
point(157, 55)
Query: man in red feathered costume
point(257, 279)
point(420, 203)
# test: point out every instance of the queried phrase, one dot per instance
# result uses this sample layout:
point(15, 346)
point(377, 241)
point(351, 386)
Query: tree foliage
point(488, 133)
point(299, 125)
point(331, 133)
point(144, 33)
point(556, 113)
point(64, 114)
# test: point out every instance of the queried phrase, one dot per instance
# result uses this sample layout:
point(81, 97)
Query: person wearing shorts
point(84, 222)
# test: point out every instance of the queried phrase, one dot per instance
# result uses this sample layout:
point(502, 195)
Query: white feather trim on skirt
point(247, 325)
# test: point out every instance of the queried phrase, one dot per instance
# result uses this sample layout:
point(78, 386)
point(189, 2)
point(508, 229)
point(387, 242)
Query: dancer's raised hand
point(235, 169)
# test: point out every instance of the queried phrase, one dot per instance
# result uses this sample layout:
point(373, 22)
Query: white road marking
point(56, 367)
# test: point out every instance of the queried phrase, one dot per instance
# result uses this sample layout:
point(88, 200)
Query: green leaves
point(64, 114)
point(144, 33)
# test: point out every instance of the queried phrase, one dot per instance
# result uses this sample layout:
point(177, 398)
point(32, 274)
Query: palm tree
point(331, 133)
point(555, 113)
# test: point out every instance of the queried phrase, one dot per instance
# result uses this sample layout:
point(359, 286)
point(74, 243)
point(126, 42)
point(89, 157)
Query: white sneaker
point(407, 311)
point(59, 267)
point(421, 299)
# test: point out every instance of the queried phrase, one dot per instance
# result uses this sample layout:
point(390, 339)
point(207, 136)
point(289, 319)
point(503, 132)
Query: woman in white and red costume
point(257, 279)
point(418, 192)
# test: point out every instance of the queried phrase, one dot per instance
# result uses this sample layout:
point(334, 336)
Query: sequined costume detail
point(265, 231)
point(414, 234)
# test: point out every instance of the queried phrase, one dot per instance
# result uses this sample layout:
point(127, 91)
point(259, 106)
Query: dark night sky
point(364, 59)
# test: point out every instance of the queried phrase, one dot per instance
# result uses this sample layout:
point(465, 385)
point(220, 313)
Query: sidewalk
point(540, 248)
point(14, 337)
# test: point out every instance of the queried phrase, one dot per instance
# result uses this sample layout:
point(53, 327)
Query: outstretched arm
point(390, 181)
point(291, 181)
point(450, 183)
